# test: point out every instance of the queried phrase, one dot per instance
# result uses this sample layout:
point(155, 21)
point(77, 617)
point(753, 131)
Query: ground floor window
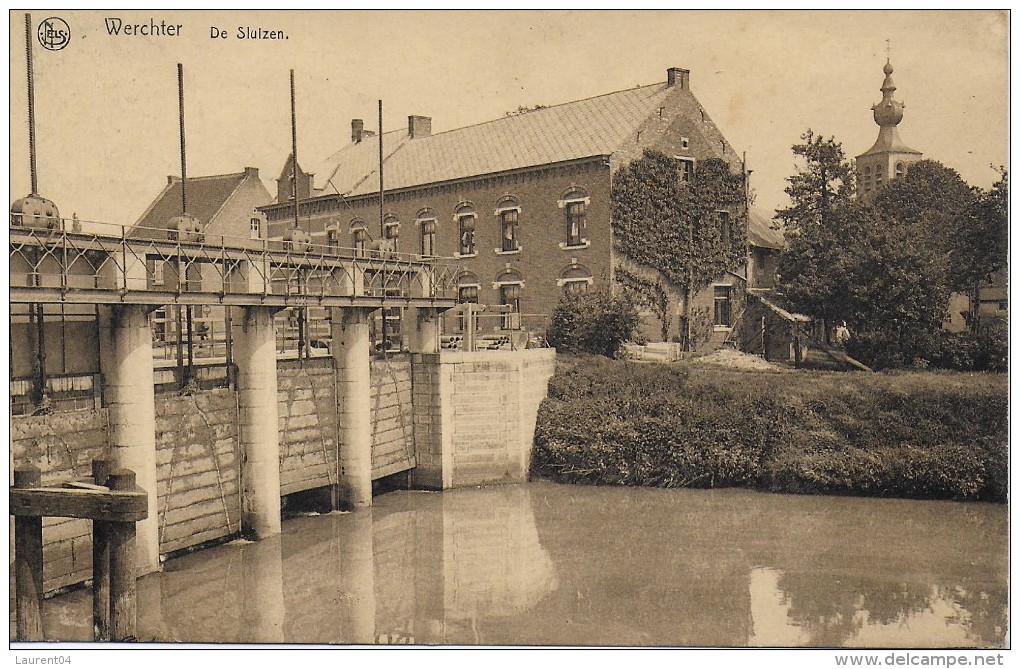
point(723, 306)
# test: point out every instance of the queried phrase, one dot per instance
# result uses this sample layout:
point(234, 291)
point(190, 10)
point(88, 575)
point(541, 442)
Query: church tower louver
point(889, 157)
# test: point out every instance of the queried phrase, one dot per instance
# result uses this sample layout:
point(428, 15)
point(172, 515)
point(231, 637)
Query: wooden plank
point(300, 486)
point(70, 503)
point(393, 468)
point(212, 519)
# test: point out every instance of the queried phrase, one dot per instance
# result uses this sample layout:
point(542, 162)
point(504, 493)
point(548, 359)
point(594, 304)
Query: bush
point(593, 321)
point(921, 435)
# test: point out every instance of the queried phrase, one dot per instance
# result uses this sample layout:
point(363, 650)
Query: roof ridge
point(545, 107)
point(209, 176)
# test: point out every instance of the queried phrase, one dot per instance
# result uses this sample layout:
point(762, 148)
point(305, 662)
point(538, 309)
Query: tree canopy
point(887, 267)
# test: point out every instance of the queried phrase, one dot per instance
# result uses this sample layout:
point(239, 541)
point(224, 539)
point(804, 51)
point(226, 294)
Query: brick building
point(523, 201)
point(224, 205)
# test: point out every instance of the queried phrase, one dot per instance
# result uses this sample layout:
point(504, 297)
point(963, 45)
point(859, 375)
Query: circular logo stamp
point(54, 33)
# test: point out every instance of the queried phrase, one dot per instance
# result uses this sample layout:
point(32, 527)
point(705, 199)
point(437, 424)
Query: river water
point(550, 564)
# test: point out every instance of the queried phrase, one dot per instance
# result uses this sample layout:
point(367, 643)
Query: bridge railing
point(83, 255)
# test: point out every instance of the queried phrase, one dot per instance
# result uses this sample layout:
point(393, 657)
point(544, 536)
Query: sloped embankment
point(919, 435)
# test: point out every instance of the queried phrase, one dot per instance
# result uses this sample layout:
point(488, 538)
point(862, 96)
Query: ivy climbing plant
point(677, 228)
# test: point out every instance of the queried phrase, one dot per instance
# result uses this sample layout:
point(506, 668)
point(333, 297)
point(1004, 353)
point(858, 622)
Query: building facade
point(523, 202)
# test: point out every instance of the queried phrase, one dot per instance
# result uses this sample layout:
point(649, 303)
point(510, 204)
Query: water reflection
point(563, 565)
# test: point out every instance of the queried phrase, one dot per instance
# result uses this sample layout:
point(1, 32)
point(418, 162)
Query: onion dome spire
point(888, 112)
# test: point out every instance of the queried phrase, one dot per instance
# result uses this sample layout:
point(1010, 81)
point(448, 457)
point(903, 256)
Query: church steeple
point(889, 156)
point(888, 112)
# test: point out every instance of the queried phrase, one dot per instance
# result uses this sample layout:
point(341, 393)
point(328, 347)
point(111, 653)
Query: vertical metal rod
point(293, 148)
point(184, 161)
point(191, 344)
point(31, 104)
point(382, 230)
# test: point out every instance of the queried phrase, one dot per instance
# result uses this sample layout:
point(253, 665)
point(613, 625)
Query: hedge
point(917, 435)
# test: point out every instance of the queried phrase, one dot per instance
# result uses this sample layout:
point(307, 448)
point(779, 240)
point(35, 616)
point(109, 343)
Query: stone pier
point(351, 349)
point(126, 361)
point(254, 350)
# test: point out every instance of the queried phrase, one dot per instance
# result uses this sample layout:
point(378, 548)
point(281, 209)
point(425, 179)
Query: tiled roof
point(592, 127)
point(760, 232)
point(205, 197)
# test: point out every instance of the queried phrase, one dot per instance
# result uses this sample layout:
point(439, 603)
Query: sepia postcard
point(380, 329)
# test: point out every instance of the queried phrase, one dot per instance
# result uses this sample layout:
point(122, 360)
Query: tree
point(815, 270)
point(822, 185)
point(888, 267)
point(688, 231)
point(594, 321)
point(981, 241)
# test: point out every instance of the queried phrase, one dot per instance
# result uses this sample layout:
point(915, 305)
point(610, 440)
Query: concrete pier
point(424, 334)
point(126, 363)
point(351, 349)
point(254, 350)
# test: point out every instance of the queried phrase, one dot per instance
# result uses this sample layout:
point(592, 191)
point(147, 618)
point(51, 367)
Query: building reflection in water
point(578, 565)
point(446, 567)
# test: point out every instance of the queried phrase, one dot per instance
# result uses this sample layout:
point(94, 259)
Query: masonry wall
point(63, 446)
point(306, 391)
point(475, 415)
point(197, 468)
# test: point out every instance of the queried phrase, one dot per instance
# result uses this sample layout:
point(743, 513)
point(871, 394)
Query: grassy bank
point(921, 435)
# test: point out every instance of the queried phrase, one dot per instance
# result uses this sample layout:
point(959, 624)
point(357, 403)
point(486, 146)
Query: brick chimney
point(419, 126)
point(678, 76)
point(251, 173)
point(357, 130)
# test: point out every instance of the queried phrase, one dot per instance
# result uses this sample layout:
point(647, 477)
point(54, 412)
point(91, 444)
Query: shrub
point(922, 435)
point(593, 321)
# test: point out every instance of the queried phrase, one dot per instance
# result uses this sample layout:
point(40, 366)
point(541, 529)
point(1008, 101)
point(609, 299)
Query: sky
point(106, 106)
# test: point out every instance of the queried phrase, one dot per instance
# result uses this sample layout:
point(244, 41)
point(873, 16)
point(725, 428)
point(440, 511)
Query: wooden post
point(101, 561)
point(123, 593)
point(28, 564)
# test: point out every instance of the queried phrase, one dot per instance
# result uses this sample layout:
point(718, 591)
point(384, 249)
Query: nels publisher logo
point(54, 33)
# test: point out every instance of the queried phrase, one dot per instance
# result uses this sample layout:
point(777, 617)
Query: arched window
point(426, 223)
point(575, 278)
point(391, 230)
point(508, 210)
point(510, 284)
point(359, 237)
point(574, 203)
point(467, 293)
point(465, 217)
point(900, 169)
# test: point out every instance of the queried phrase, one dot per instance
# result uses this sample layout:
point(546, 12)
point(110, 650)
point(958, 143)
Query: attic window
point(685, 142)
point(256, 227)
point(725, 226)
point(686, 170)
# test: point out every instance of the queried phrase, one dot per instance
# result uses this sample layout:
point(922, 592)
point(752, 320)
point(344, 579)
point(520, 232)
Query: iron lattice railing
point(71, 263)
